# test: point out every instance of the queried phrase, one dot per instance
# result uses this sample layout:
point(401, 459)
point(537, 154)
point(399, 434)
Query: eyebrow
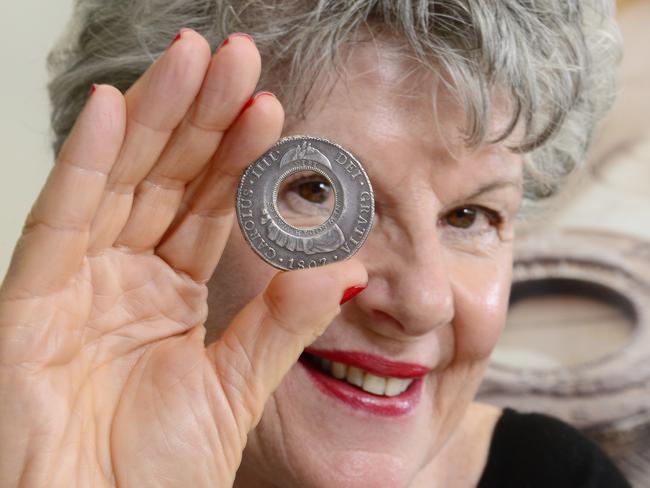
point(494, 185)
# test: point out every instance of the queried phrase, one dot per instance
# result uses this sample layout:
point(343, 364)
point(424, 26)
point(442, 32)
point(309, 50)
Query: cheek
point(481, 293)
point(239, 277)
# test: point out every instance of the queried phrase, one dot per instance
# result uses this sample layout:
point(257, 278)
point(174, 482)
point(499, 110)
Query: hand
point(104, 376)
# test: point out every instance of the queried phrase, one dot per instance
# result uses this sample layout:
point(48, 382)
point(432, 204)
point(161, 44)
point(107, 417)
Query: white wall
point(28, 28)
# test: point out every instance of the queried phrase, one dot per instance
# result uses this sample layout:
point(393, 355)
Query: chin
point(313, 467)
point(360, 470)
point(307, 438)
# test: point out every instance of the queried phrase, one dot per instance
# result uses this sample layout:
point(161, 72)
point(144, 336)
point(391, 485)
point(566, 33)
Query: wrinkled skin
point(104, 376)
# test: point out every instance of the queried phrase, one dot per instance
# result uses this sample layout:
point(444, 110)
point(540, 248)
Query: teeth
point(379, 385)
point(374, 384)
point(355, 376)
point(396, 386)
point(339, 370)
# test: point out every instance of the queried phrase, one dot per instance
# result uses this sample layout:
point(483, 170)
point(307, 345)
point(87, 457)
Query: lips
point(373, 363)
point(356, 397)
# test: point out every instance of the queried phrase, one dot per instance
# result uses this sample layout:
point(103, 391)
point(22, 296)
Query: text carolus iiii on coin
point(285, 246)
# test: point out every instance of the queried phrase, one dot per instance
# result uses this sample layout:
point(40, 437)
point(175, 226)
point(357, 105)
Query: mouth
point(361, 389)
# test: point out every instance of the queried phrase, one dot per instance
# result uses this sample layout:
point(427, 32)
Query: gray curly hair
point(555, 59)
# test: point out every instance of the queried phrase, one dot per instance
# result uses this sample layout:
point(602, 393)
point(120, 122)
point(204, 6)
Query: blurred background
point(577, 342)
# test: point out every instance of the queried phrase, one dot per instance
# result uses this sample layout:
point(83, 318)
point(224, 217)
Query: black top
point(537, 451)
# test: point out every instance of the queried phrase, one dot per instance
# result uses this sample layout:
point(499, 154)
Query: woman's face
point(439, 263)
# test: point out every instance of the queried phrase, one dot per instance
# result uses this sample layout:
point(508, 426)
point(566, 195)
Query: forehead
point(383, 105)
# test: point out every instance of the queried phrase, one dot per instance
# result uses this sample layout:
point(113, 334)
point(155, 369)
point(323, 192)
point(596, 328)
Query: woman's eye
point(472, 217)
point(307, 196)
point(462, 217)
point(314, 191)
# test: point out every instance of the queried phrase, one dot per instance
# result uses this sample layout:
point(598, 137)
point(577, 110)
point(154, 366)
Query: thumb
point(267, 337)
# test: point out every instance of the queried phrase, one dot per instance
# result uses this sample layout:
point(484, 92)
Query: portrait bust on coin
point(304, 241)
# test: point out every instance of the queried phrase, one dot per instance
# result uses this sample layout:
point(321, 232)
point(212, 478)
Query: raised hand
point(104, 376)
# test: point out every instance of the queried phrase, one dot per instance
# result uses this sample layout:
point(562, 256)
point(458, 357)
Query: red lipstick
point(372, 363)
point(360, 399)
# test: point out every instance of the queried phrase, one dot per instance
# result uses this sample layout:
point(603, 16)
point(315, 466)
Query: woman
point(143, 342)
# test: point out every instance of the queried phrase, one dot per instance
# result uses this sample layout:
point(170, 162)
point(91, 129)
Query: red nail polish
point(264, 94)
point(352, 292)
point(93, 89)
point(252, 99)
point(225, 42)
point(243, 34)
point(249, 103)
point(178, 36)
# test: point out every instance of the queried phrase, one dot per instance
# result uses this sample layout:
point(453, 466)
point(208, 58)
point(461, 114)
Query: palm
point(104, 375)
point(130, 352)
point(129, 361)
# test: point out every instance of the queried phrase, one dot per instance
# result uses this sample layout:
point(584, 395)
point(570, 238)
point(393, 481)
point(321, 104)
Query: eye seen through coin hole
point(305, 199)
point(557, 323)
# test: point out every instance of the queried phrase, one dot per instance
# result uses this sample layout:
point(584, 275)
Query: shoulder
point(532, 449)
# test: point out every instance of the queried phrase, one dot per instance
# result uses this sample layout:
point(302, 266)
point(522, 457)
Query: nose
point(409, 287)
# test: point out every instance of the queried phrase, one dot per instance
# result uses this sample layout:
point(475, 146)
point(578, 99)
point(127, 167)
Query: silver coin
point(287, 247)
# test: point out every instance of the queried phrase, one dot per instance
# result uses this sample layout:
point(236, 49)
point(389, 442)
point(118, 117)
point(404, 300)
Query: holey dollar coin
point(306, 202)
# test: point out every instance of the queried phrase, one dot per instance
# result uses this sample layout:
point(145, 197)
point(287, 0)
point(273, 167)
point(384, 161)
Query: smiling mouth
point(381, 386)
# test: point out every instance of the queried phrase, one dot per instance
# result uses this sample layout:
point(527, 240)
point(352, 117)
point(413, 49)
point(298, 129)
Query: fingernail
point(249, 103)
point(243, 34)
point(235, 34)
point(352, 292)
point(93, 89)
point(252, 99)
point(178, 36)
point(263, 94)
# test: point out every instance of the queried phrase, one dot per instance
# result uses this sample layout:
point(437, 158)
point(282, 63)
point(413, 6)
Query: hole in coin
point(305, 199)
point(557, 322)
